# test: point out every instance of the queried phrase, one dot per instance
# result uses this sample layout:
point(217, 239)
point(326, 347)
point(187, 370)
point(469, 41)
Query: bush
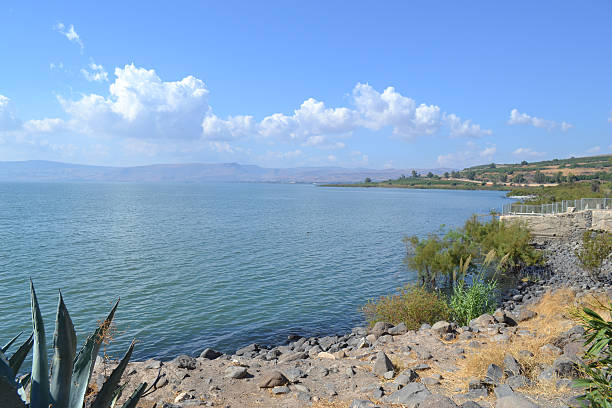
point(598, 367)
point(467, 303)
point(596, 247)
point(413, 305)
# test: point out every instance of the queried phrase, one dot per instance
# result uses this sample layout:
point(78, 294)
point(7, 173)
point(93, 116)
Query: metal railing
point(557, 208)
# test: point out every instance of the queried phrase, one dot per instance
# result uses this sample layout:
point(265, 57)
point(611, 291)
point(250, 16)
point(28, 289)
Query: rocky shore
point(524, 355)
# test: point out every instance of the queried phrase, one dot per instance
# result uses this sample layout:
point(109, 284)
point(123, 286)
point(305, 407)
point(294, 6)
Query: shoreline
point(316, 371)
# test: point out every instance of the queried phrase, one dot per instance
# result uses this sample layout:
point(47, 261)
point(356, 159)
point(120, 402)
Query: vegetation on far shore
point(545, 181)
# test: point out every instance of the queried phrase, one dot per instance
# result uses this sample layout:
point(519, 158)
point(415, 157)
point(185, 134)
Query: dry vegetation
point(557, 313)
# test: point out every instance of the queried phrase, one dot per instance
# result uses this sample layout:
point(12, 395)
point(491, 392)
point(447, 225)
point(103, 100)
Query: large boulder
point(187, 362)
point(565, 367)
point(441, 328)
point(437, 401)
point(515, 401)
point(273, 379)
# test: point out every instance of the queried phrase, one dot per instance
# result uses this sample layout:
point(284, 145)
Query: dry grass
point(555, 315)
point(330, 404)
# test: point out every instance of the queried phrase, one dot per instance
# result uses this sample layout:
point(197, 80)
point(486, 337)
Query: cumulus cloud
point(141, 105)
point(471, 154)
point(69, 33)
point(46, 125)
point(314, 124)
point(517, 118)
point(526, 151)
point(8, 119)
point(96, 73)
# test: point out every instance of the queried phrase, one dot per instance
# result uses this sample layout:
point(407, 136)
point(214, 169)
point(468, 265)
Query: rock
point(314, 351)
point(514, 401)
point(382, 364)
point(183, 396)
point(304, 397)
point(511, 366)
point(430, 381)
point(482, 321)
point(547, 374)
point(359, 403)
point(565, 367)
point(292, 357)
point(470, 404)
point(494, 374)
point(501, 316)
point(437, 401)
point(272, 354)
point(210, 354)
point(503, 390)
point(185, 361)
point(301, 388)
point(420, 367)
point(273, 379)
point(411, 395)
point(551, 349)
point(398, 330)
point(248, 349)
point(293, 374)
point(380, 328)
point(378, 394)
point(422, 353)
point(518, 381)
point(440, 328)
point(526, 314)
point(406, 376)
point(325, 354)
point(236, 372)
point(283, 389)
point(388, 375)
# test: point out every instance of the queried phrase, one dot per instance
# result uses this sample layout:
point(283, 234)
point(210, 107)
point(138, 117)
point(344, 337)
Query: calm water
point(213, 265)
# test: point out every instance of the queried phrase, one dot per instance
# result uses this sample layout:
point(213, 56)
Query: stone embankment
point(565, 224)
point(523, 355)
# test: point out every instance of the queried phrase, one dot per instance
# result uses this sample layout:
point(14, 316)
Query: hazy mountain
point(37, 170)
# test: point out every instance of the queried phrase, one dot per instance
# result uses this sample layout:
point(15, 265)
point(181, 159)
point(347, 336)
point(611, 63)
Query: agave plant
point(64, 385)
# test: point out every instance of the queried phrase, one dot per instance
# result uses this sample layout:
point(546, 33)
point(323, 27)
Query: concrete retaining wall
point(563, 225)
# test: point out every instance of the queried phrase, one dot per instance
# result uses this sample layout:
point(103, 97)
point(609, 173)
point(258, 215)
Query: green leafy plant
point(65, 384)
point(596, 247)
point(413, 305)
point(470, 301)
point(598, 366)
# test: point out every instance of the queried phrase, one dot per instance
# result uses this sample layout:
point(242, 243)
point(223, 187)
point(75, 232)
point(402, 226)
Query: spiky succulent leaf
point(39, 396)
point(23, 384)
point(5, 369)
point(85, 360)
point(117, 395)
point(20, 355)
point(135, 397)
point(8, 394)
point(10, 343)
point(105, 395)
point(64, 350)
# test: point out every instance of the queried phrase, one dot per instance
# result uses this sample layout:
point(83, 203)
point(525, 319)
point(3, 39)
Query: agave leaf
point(105, 395)
point(23, 384)
point(5, 370)
point(22, 352)
point(133, 400)
point(8, 395)
point(64, 346)
point(10, 343)
point(85, 360)
point(39, 396)
point(117, 395)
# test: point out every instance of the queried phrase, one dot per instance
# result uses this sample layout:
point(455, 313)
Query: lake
point(211, 265)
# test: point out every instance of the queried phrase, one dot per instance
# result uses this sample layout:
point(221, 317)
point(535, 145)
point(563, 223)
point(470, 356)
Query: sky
point(393, 84)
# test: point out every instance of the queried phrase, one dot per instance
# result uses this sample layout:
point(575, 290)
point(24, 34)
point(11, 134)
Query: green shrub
point(598, 366)
point(413, 305)
point(469, 302)
point(596, 247)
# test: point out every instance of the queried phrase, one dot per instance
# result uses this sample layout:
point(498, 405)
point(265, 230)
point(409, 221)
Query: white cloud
point(97, 73)
point(526, 151)
point(8, 119)
point(141, 105)
point(234, 128)
point(69, 33)
point(44, 125)
point(459, 128)
point(517, 118)
point(472, 154)
point(594, 149)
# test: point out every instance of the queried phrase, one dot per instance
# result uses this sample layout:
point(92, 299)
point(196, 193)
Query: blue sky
point(286, 83)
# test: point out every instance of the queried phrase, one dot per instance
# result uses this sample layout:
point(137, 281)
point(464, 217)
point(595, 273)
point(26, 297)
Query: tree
point(595, 186)
point(539, 177)
point(524, 163)
point(446, 175)
point(519, 178)
point(492, 166)
point(471, 175)
point(368, 180)
point(559, 177)
point(503, 177)
point(430, 175)
point(414, 174)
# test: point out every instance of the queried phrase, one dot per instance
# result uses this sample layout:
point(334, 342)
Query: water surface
point(211, 265)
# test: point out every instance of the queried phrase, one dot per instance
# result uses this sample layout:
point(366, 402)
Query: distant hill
point(37, 170)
